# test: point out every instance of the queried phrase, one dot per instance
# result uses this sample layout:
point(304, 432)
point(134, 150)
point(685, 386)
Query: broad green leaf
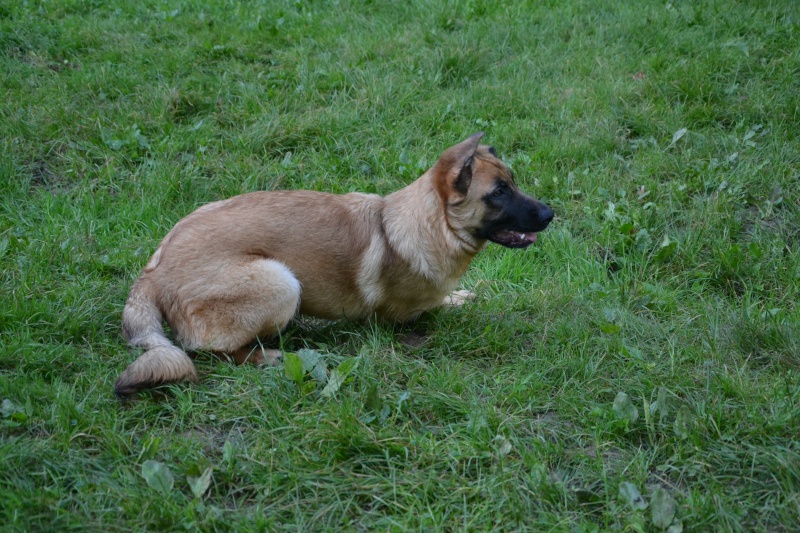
point(373, 399)
point(597, 290)
point(633, 352)
point(141, 139)
point(335, 381)
point(678, 135)
point(310, 358)
point(314, 364)
point(14, 412)
point(158, 476)
point(629, 493)
point(666, 250)
point(754, 249)
point(502, 445)
point(624, 408)
point(338, 376)
point(404, 396)
point(149, 448)
point(228, 452)
point(662, 507)
point(320, 373)
point(348, 365)
point(293, 366)
point(611, 315)
point(661, 404)
point(610, 328)
point(199, 485)
point(109, 139)
point(677, 527)
point(8, 408)
point(683, 422)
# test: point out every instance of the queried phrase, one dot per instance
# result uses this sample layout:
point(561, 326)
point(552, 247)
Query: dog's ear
point(453, 171)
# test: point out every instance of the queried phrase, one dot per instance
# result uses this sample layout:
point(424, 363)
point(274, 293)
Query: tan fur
point(242, 268)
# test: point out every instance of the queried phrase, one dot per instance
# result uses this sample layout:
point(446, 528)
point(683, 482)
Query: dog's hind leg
point(162, 361)
point(239, 303)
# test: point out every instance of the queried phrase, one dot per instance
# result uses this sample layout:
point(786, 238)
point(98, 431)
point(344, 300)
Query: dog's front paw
point(271, 357)
point(458, 298)
point(258, 356)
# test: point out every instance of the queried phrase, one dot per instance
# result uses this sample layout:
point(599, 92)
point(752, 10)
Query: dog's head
point(482, 201)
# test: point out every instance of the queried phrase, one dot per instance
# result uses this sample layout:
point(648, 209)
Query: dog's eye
point(498, 192)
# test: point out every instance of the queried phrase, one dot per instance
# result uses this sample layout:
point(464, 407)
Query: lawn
point(637, 369)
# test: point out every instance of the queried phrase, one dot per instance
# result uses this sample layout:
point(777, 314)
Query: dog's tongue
point(516, 239)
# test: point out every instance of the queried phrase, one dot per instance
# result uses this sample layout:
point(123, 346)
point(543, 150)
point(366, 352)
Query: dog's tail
point(162, 361)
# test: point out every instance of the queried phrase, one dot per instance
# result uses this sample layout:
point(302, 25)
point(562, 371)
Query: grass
point(663, 134)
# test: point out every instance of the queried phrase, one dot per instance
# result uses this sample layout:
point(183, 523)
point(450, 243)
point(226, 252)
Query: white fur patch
point(369, 275)
point(282, 273)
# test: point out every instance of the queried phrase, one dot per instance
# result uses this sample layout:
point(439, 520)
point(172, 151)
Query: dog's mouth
point(513, 239)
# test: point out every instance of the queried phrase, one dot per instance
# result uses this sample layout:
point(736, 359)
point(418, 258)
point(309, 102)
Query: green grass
point(664, 135)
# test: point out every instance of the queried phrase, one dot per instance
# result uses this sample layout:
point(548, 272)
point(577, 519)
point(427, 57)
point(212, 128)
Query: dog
point(240, 269)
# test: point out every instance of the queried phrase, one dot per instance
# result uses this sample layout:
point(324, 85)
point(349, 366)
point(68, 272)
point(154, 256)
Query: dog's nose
point(545, 214)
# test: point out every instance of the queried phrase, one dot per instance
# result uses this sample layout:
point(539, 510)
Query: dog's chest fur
point(408, 266)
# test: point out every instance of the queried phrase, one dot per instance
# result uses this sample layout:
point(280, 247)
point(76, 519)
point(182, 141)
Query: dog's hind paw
point(458, 298)
point(254, 356)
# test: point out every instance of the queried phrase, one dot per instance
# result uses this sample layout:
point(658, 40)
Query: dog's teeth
point(522, 236)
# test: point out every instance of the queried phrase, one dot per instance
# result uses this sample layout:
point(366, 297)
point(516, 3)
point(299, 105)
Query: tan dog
point(242, 268)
